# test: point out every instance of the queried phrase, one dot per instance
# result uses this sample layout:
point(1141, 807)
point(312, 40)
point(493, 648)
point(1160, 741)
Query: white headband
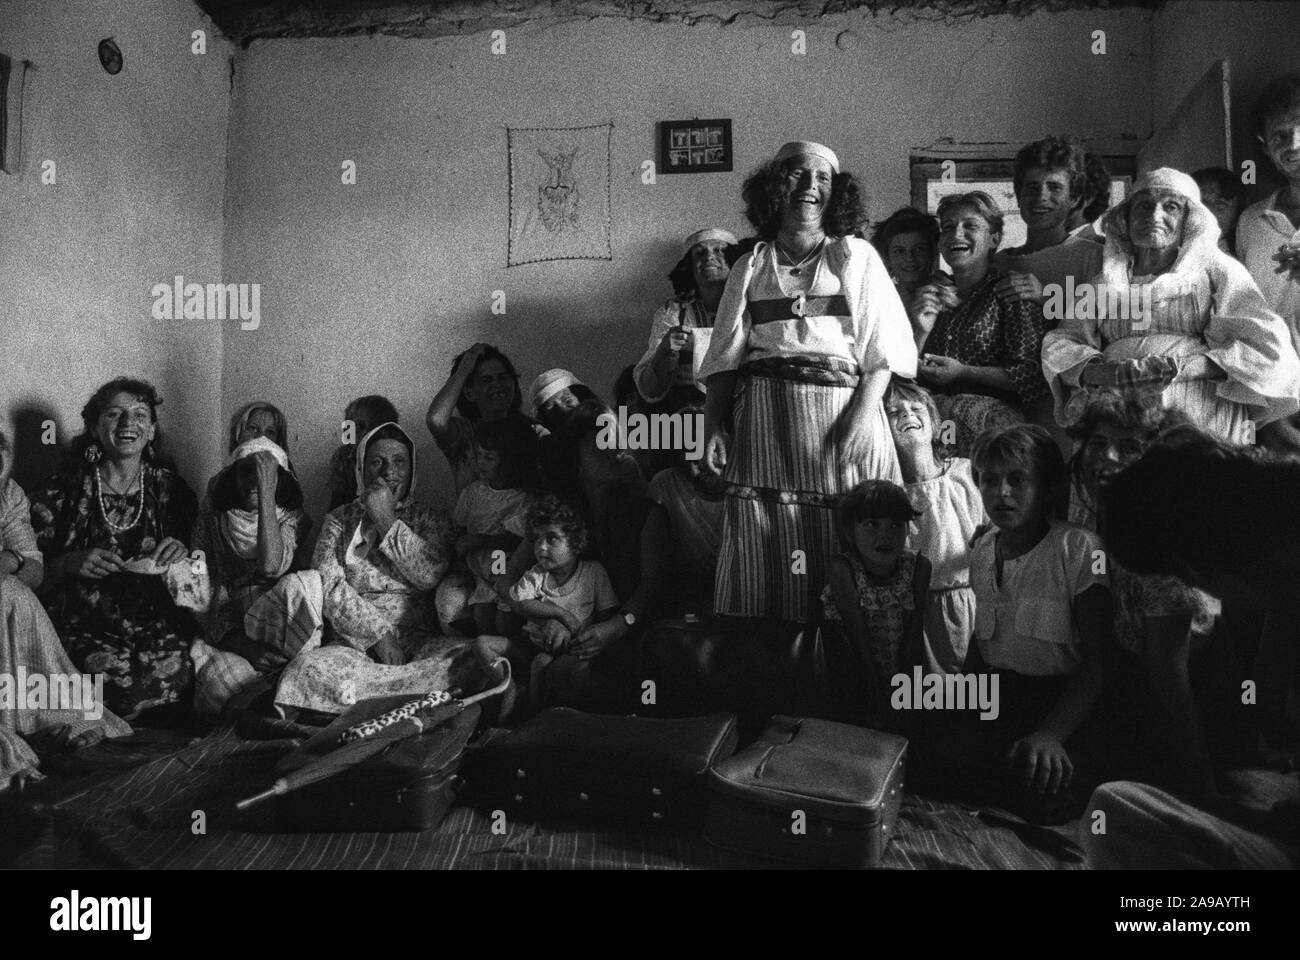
point(796, 148)
point(709, 233)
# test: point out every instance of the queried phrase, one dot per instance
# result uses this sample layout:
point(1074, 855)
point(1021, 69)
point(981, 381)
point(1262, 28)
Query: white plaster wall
point(140, 174)
point(1258, 39)
point(374, 287)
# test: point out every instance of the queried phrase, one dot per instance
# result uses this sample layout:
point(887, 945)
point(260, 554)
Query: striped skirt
point(784, 480)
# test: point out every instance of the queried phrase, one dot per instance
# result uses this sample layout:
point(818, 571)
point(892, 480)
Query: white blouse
point(1026, 624)
point(848, 308)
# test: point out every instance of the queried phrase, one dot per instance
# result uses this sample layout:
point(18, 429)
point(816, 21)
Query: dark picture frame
point(695, 146)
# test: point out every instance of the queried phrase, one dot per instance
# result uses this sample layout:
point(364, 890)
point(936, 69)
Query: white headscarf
point(365, 537)
point(240, 525)
point(1199, 242)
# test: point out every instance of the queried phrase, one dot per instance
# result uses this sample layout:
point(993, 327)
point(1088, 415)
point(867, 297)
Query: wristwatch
point(629, 619)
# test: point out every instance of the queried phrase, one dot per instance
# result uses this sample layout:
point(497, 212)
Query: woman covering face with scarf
point(381, 556)
point(249, 534)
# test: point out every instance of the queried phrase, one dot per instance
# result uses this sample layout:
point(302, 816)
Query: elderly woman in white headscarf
point(808, 333)
point(682, 327)
point(380, 558)
point(1176, 318)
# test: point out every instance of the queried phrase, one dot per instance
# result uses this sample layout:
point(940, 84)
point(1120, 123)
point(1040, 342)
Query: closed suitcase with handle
point(409, 785)
point(809, 792)
point(564, 764)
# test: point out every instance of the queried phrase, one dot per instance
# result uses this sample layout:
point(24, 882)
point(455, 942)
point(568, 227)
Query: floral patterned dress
point(124, 626)
point(886, 606)
point(387, 594)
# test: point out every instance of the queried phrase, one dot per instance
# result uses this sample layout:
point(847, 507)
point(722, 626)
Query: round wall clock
point(110, 57)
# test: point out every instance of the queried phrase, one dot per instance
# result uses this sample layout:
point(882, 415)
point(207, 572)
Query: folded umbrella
point(339, 747)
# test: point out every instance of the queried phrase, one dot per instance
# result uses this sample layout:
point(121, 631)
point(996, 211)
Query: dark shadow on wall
point(40, 443)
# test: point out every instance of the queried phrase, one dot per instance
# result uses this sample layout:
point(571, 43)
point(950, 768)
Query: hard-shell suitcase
point(409, 785)
point(568, 765)
point(809, 792)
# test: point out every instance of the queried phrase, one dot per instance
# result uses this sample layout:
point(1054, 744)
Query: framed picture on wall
point(694, 146)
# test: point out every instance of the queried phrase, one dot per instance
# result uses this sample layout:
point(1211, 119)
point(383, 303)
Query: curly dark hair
point(225, 491)
point(765, 193)
point(551, 510)
point(468, 408)
point(901, 221)
point(1280, 96)
point(1055, 153)
point(1193, 500)
point(1026, 443)
point(142, 390)
point(682, 276)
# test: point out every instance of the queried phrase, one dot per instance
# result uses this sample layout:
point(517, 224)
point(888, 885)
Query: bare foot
point(62, 738)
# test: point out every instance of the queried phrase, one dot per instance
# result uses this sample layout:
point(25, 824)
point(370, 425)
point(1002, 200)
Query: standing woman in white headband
point(808, 333)
point(682, 327)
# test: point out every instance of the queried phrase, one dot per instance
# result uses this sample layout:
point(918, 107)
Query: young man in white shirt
point(1051, 182)
point(1268, 232)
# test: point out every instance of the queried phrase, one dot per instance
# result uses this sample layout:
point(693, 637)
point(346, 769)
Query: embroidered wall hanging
point(559, 193)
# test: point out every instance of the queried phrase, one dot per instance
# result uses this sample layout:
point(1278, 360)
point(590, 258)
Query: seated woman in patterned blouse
point(980, 358)
point(105, 524)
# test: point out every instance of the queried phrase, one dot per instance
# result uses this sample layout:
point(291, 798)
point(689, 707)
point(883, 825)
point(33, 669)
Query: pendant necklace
point(797, 268)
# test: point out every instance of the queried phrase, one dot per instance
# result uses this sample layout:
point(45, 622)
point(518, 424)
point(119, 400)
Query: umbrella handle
point(279, 788)
point(499, 663)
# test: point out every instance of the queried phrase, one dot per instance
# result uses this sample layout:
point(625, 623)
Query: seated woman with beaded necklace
point(98, 522)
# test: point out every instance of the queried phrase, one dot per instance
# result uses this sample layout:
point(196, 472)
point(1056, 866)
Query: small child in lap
point(489, 517)
point(557, 597)
point(877, 590)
